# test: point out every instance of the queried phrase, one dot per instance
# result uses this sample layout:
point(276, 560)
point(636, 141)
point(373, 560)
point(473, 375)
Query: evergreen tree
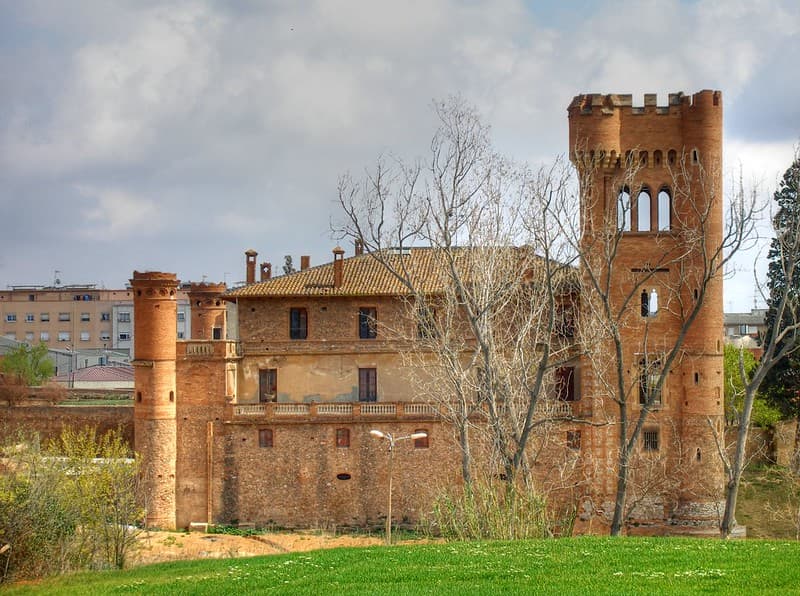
point(782, 383)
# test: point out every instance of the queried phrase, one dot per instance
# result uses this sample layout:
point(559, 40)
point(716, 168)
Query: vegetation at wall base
point(586, 565)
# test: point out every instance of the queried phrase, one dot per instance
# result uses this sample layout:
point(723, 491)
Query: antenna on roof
point(56, 280)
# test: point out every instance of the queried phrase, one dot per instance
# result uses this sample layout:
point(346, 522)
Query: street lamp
point(392, 440)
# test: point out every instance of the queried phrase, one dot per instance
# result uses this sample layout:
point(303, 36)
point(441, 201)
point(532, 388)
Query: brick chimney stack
point(338, 267)
point(359, 246)
point(305, 262)
point(266, 271)
point(250, 261)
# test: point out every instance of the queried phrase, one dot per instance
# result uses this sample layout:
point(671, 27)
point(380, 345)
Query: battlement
point(600, 104)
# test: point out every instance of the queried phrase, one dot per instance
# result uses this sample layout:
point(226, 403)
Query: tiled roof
point(100, 373)
point(362, 275)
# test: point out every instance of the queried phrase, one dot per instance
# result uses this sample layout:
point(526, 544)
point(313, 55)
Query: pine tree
point(782, 383)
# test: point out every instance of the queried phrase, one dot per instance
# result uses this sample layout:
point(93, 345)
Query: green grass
point(97, 402)
point(587, 565)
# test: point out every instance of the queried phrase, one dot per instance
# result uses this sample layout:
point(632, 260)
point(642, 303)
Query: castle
point(264, 414)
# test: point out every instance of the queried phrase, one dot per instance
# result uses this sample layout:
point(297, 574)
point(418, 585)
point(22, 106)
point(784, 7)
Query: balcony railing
point(198, 348)
point(333, 410)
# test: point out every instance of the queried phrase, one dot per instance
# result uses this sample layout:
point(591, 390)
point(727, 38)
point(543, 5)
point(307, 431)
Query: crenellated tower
point(208, 310)
point(652, 213)
point(155, 316)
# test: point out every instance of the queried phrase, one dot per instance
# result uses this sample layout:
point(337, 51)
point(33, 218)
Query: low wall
point(48, 421)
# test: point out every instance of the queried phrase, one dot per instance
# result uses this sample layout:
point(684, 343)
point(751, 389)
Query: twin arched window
point(645, 210)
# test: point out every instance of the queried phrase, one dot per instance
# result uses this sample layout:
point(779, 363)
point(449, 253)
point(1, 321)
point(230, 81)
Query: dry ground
point(156, 547)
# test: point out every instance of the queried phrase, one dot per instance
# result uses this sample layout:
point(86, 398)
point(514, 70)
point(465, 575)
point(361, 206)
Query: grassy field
point(587, 565)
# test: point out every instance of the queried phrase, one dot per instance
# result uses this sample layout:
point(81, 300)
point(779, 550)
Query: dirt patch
point(157, 547)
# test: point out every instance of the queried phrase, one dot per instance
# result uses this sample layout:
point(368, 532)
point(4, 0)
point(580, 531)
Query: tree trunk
point(737, 466)
point(622, 491)
point(466, 457)
point(794, 464)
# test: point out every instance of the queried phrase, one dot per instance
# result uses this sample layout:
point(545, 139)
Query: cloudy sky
point(175, 135)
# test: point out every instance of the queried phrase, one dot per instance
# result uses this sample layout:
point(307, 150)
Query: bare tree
point(630, 298)
point(491, 299)
point(783, 337)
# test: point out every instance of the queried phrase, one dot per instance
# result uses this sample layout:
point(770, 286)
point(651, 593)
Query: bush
point(496, 510)
point(71, 506)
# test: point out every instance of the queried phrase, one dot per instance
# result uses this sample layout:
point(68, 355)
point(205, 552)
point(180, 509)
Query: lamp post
point(392, 440)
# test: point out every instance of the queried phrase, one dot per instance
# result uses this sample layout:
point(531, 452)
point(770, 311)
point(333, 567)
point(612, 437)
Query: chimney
point(251, 255)
point(266, 271)
point(338, 267)
point(359, 246)
point(305, 262)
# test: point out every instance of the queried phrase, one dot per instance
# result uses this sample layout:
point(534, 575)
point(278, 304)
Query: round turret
point(208, 310)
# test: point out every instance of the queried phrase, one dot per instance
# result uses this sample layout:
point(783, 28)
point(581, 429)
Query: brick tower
point(155, 308)
point(208, 310)
point(654, 175)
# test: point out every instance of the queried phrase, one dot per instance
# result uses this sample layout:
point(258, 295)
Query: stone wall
point(48, 421)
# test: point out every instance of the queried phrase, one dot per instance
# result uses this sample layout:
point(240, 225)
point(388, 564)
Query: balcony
point(334, 411)
point(212, 349)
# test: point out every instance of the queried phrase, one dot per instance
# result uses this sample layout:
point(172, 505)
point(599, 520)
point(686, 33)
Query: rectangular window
point(343, 437)
point(649, 375)
point(44, 336)
point(574, 439)
point(267, 385)
point(63, 316)
point(298, 323)
point(44, 317)
point(11, 317)
point(216, 333)
point(367, 322)
point(650, 439)
point(29, 336)
point(265, 437)
point(181, 335)
point(11, 335)
point(421, 442)
point(85, 316)
point(367, 384)
point(63, 336)
point(105, 316)
point(181, 316)
point(84, 336)
point(30, 318)
point(31, 297)
point(565, 383)
point(105, 335)
point(124, 317)
point(124, 336)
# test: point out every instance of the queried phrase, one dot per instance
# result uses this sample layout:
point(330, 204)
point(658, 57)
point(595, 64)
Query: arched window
point(664, 210)
point(672, 157)
point(657, 157)
point(643, 158)
point(624, 210)
point(643, 207)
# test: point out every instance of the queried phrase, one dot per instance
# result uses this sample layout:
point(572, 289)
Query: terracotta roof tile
point(362, 275)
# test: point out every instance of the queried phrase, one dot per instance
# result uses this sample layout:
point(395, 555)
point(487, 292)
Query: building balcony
point(212, 349)
point(334, 411)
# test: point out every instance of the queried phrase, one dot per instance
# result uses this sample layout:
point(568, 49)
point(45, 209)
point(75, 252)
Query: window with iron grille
point(574, 439)
point(298, 323)
point(367, 322)
point(367, 384)
point(650, 439)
